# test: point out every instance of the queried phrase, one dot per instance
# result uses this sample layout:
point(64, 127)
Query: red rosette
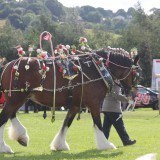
point(43, 55)
point(60, 46)
point(134, 72)
point(20, 52)
point(98, 62)
point(75, 68)
point(83, 40)
point(13, 70)
point(44, 68)
point(61, 69)
point(65, 50)
point(74, 50)
point(107, 64)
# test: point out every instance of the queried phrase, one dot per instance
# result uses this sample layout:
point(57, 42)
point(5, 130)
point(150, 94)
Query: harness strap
point(54, 93)
point(70, 95)
point(11, 80)
point(82, 76)
point(49, 37)
point(106, 83)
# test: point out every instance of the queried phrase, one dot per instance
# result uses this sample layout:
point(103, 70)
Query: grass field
point(142, 125)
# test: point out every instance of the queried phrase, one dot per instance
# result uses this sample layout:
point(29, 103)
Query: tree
point(35, 7)
point(69, 31)
point(9, 39)
point(142, 33)
point(5, 12)
point(55, 8)
point(121, 12)
point(101, 39)
point(130, 11)
point(28, 18)
point(94, 17)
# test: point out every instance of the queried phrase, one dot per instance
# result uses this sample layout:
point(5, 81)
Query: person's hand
point(131, 102)
point(130, 98)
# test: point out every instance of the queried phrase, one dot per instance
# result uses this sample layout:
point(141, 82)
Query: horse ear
point(136, 59)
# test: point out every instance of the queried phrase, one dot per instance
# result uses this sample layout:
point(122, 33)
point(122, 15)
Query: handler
point(113, 115)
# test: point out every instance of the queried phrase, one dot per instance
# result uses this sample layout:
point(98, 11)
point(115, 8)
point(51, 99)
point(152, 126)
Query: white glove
point(131, 102)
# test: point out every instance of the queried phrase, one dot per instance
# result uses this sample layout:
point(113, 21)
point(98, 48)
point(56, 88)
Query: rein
point(120, 79)
point(82, 76)
point(116, 64)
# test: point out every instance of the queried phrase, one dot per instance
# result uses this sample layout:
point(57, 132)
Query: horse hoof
point(22, 142)
point(62, 147)
point(9, 152)
point(112, 146)
point(5, 149)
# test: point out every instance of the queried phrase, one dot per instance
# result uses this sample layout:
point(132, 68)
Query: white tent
point(155, 85)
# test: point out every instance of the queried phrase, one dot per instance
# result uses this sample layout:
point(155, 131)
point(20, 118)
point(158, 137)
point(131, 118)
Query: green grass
point(142, 125)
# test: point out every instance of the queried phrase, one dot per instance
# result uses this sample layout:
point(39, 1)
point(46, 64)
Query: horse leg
point(59, 142)
point(17, 131)
point(9, 111)
point(4, 148)
point(101, 141)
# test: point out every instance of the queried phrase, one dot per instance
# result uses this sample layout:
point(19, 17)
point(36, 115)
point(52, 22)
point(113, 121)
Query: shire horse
point(88, 88)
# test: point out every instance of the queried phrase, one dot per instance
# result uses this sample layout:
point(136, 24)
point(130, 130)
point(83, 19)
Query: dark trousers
point(115, 119)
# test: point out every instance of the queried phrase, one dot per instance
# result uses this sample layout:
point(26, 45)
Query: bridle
point(123, 85)
point(131, 70)
point(123, 78)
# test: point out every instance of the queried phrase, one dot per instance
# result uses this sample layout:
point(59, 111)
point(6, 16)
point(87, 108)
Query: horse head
point(134, 74)
point(121, 67)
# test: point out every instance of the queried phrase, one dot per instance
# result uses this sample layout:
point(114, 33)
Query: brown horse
point(24, 79)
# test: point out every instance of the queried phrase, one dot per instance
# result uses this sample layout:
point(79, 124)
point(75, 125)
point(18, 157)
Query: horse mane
point(117, 56)
point(120, 59)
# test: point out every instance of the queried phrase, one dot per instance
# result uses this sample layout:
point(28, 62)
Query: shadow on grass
point(59, 155)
